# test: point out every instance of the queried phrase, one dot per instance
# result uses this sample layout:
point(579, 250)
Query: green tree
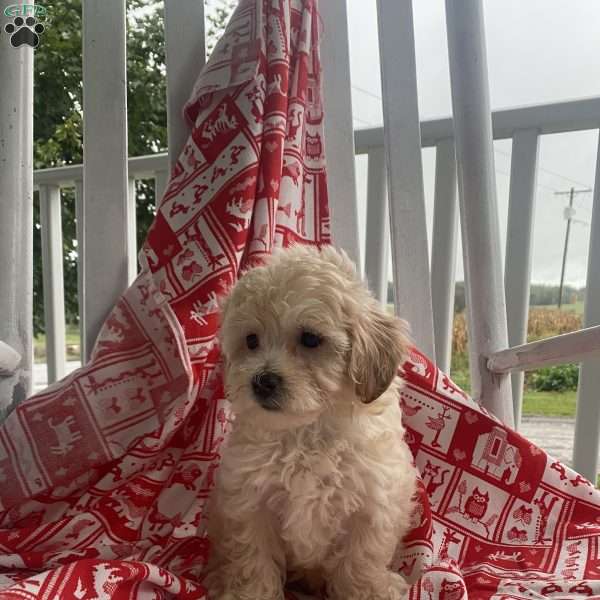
point(217, 15)
point(58, 136)
point(58, 124)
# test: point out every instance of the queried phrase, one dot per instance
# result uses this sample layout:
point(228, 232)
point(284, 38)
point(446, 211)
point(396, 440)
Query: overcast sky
point(539, 51)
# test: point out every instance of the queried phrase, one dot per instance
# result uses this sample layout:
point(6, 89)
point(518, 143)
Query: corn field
point(543, 322)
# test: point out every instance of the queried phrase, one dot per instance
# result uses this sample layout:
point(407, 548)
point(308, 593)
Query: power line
point(581, 206)
point(541, 168)
point(367, 92)
point(540, 185)
point(549, 171)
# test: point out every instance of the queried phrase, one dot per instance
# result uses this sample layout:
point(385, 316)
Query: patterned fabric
point(105, 474)
point(499, 518)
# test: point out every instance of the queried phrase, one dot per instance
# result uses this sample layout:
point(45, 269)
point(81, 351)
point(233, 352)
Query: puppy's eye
point(252, 341)
point(310, 340)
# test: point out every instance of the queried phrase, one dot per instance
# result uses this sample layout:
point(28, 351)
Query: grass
point(543, 322)
point(72, 343)
point(576, 307)
point(549, 404)
point(541, 404)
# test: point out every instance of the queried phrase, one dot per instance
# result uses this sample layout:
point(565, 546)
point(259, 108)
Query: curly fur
point(321, 488)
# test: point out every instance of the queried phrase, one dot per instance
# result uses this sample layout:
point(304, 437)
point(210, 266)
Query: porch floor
point(553, 434)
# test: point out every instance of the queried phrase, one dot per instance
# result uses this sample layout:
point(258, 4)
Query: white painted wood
point(519, 247)
point(478, 207)
point(378, 226)
point(556, 117)
point(339, 138)
point(185, 51)
point(140, 167)
point(443, 255)
point(132, 230)
point(16, 214)
point(161, 179)
point(79, 220)
point(53, 281)
point(587, 421)
point(474, 373)
point(556, 350)
point(410, 253)
point(9, 360)
point(105, 182)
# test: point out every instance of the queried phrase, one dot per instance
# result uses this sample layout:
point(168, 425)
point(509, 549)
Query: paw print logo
point(24, 31)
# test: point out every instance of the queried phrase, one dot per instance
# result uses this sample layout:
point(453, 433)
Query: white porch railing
point(104, 194)
point(16, 213)
point(524, 126)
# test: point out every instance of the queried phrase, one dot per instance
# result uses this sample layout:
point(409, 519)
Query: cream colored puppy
point(316, 481)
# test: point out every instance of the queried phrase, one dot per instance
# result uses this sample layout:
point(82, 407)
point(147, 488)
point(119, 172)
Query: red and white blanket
point(104, 476)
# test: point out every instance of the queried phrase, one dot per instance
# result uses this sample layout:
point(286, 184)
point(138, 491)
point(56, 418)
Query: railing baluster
point(443, 256)
point(587, 423)
point(339, 138)
point(519, 244)
point(132, 230)
point(16, 214)
point(410, 253)
point(79, 220)
point(473, 358)
point(185, 53)
point(478, 208)
point(52, 274)
point(105, 227)
point(378, 226)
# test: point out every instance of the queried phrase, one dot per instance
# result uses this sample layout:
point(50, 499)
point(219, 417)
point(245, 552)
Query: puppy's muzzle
point(266, 386)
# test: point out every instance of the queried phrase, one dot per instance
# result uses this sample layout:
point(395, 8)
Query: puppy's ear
point(379, 346)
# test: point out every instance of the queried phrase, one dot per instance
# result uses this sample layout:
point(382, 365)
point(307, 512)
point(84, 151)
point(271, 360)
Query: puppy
point(315, 481)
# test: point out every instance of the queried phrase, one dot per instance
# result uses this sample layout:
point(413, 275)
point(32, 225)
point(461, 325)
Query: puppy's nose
point(266, 384)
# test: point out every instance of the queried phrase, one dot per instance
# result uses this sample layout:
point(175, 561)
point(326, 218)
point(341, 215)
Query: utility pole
point(569, 214)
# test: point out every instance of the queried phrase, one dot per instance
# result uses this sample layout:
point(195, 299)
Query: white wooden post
point(402, 136)
point(185, 55)
point(107, 207)
point(587, 421)
point(474, 373)
point(474, 153)
point(378, 226)
point(132, 231)
point(339, 136)
point(443, 256)
point(79, 220)
point(52, 275)
point(16, 213)
point(519, 245)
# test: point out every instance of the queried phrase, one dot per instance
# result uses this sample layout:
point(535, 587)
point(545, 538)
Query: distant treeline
point(539, 295)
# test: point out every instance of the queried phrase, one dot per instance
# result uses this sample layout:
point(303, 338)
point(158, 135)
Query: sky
point(539, 51)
